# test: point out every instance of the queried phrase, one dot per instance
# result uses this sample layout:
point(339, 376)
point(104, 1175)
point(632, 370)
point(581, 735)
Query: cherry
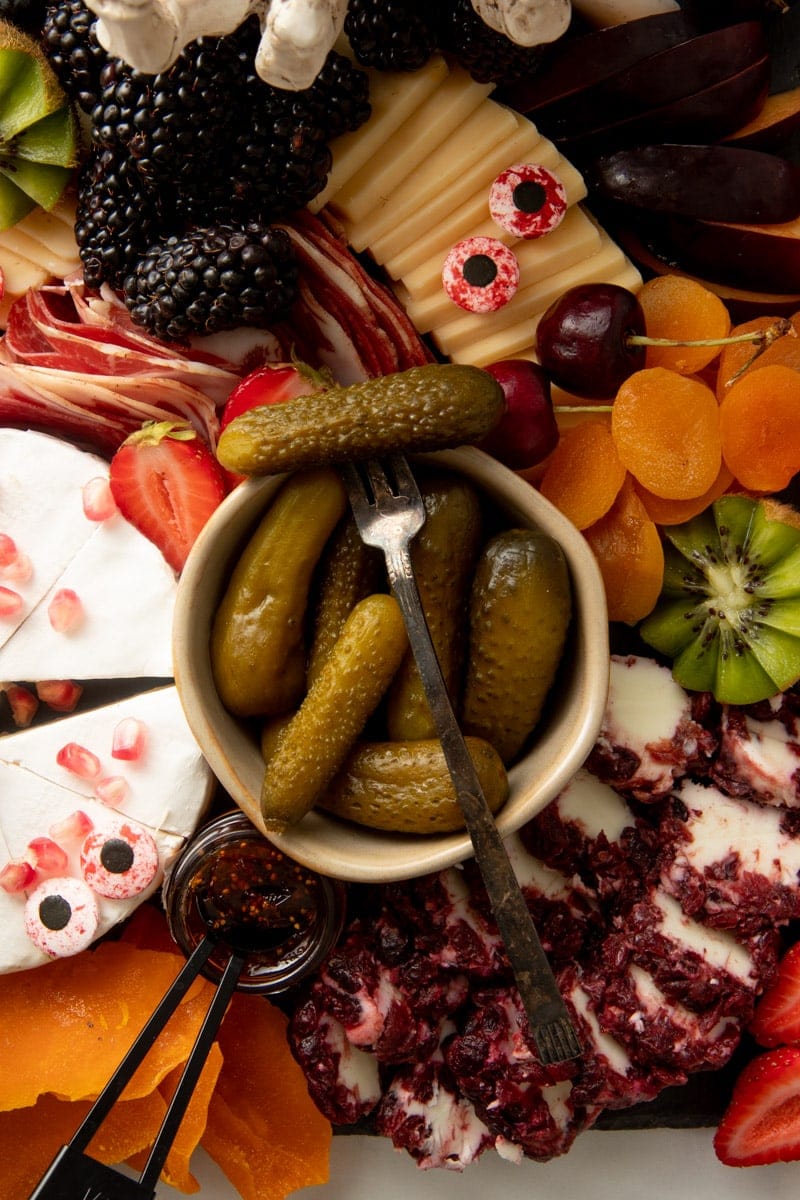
point(592, 338)
point(583, 340)
point(527, 432)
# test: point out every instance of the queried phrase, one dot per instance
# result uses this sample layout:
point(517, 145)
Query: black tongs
point(73, 1174)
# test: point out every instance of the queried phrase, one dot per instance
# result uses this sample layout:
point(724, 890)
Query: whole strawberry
point(167, 483)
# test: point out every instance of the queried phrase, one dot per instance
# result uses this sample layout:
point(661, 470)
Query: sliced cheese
point(407, 245)
point(393, 97)
point(469, 143)
point(424, 131)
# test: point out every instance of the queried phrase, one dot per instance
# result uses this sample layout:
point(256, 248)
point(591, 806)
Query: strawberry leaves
point(167, 483)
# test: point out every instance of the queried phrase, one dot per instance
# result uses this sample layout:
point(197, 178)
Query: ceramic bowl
point(321, 842)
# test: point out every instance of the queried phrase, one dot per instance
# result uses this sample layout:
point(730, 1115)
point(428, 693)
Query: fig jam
point(234, 886)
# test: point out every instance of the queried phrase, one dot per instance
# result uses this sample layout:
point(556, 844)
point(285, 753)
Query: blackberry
point(70, 43)
point(213, 279)
point(118, 216)
point(173, 123)
point(338, 99)
point(391, 35)
point(275, 164)
point(487, 55)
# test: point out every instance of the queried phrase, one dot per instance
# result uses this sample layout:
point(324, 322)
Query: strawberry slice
point(762, 1122)
point(776, 1021)
point(167, 483)
point(272, 384)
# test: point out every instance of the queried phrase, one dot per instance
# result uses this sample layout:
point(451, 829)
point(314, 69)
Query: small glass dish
point(232, 885)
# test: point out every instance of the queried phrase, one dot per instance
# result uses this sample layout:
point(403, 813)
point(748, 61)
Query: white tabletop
point(655, 1165)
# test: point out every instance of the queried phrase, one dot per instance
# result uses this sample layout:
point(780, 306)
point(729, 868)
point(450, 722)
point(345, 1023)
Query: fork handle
point(538, 990)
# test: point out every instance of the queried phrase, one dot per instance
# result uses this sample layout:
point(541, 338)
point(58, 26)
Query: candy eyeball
point(527, 200)
point(480, 274)
point(120, 860)
point(61, 916)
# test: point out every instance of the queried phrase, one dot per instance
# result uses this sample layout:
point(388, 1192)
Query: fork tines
point(557, 1041)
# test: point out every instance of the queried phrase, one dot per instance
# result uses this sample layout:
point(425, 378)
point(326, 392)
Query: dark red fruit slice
point(578, 63)
point(714, 183)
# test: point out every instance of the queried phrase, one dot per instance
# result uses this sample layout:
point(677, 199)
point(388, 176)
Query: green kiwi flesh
point(729, 612)
point(38, 129)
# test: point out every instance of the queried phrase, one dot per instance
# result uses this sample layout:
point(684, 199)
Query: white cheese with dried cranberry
point(165, 792)
point(125, 588)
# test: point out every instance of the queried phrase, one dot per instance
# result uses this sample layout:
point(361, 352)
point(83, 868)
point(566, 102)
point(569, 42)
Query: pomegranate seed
point(8, 550)
point(98, 501)
point(23, 704)
point(46, 856)
point(112, 790)
point(16, 876)
point(129, 740)
point(62, 695)
point(10, 602)
point(71, 828)
point(20, 570)
point(65, 610)
point(79, 761)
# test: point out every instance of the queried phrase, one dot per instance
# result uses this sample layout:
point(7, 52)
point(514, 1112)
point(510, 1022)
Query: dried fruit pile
point(685, 425)
point(250, 1110)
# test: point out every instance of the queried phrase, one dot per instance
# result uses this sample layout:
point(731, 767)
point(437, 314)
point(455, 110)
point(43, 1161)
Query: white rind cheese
point(168, 791)
point(126, 588)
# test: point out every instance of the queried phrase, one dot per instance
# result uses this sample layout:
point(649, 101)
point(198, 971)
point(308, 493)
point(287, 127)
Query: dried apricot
point(675, 512)
point(666, 429)
point(628, 549)
point(741, 358)
point(680, 309)
point(760, 428)
point(584, 473)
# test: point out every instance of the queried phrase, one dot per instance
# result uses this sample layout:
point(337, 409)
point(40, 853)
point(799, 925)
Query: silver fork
point(389, 511)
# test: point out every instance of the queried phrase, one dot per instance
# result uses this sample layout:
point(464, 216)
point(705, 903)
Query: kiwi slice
point(729, 612)
point(38, 130)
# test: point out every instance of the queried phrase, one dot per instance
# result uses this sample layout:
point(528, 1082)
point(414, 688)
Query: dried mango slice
point(67, 1025)
point(264, 1131)
point(147, 928)
point(177, 1172)
point(49, 1124)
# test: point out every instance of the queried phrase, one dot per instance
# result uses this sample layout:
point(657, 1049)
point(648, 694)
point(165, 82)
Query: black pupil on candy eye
point(479, 270)
point(55, 912)
point(529, 197)
point(116, 856)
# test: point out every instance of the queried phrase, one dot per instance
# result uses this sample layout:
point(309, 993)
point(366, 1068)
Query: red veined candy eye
point(120, 860)
point(527, 200)
point(480, 274)
point(61, 916)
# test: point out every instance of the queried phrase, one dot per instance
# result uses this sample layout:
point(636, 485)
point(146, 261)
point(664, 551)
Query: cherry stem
point(762, 338)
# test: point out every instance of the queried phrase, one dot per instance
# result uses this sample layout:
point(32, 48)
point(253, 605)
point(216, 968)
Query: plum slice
point(657, 80)
point(715, 183)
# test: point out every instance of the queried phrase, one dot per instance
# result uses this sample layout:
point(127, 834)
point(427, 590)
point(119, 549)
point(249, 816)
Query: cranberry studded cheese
point(94, 805)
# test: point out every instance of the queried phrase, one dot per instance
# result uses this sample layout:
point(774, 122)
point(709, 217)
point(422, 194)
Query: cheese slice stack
point(415, 180)
point(41, 246)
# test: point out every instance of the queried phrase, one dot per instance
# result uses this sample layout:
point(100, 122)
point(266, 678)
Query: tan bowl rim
point(321, 842)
